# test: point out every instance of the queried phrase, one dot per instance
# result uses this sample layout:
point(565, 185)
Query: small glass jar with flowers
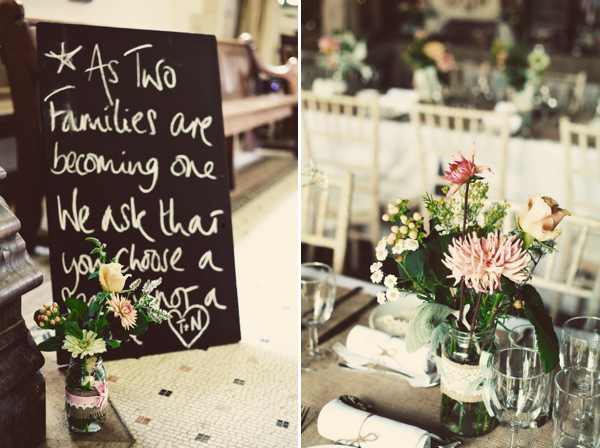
point(430, 63)
point(472, 278)
point(87, 330)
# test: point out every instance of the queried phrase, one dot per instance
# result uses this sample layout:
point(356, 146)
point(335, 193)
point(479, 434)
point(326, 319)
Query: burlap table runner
point(392, 398)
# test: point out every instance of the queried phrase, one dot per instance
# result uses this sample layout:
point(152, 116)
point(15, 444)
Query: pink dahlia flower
point(460, 171)
point(123, 309)
point(482, 261)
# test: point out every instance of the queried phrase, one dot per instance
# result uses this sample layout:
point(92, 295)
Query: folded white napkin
point(389, 351)
point(343, 423)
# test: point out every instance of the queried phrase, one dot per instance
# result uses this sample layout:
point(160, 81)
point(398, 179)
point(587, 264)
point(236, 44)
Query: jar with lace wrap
point(463, 411)
point(86, 394)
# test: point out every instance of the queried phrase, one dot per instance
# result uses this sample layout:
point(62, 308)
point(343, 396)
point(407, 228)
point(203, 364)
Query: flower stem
point(415, 283)
point(494, 310)
point(460, 304)
point(474, 318)
point(464, 231)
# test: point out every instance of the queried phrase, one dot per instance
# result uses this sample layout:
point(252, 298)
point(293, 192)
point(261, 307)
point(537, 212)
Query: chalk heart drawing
point(190, 325)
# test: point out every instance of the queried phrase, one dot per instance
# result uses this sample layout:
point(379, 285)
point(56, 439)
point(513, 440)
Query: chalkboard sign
point(135, 149)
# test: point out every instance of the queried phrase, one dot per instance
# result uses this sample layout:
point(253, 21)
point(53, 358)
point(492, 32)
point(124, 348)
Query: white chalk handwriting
point(82, 164)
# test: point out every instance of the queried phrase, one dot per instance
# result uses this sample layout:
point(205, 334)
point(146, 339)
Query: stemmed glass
point(524, 336)
point(317, 285)
point(576, 408)
point(580, 343)
point(517, 387)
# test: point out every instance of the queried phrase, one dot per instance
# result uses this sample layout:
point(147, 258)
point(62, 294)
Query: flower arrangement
point(520, 68)
point(110, 318)
point(470, 275)
point(422, 53)
point(345, 53)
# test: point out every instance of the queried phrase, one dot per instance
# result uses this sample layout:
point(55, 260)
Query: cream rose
point(111, 278)
point(540, 216)
point(435, 50)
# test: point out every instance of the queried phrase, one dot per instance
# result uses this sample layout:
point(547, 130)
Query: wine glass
point(524, 336)
point(517, 387)
point(317, 285)
point(576, 408)
point(580, 343)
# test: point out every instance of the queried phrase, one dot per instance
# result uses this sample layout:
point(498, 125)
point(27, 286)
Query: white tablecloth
point(533, 166)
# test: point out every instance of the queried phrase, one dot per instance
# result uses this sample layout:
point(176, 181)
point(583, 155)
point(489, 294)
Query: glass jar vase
point(462, 410)
point(86, 394)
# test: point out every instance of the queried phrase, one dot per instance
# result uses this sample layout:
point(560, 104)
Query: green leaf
point(422, 322)
point(60, 328)
point(509, 288)
point(148, 318)
point(547, 340)
point(52, 344)
point(103, 294)
point(96, 306)
point(402, 275)
point(71, 328)
point(113, 343)
point(437, 247)
point(102, 327)
point(415, 262)
point(141, 324)
point(116, 329)
point(443, 295)
point(79, 306)
point(92, 275)
point(529, 239)
point(91, 239)
point(433, 233)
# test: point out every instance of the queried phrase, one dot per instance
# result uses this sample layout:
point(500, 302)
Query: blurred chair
point(442, 132)
point(577, 256)
point(582, 167)
point(341, 134)
point(318, 203)
point(566, 88)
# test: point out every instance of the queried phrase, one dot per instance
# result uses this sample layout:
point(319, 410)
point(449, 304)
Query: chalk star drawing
point(64, 58)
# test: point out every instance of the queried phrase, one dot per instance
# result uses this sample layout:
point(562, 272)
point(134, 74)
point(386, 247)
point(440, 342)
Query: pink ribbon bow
point(102, 388)
point(97, 400)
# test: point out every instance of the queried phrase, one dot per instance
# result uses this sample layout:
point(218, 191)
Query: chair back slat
point(444, 131)
point(582, 166)
point(353, 122)
point(318, 204)
point(568, 88)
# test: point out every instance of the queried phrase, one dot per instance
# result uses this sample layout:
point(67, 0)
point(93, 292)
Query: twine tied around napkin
point(371, 437)
point(390, 353)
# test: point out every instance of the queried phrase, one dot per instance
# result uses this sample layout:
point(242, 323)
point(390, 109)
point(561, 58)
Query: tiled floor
point(240, 395)
point(230, 396)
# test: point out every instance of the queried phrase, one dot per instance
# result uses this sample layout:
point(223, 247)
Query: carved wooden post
point(22, 386)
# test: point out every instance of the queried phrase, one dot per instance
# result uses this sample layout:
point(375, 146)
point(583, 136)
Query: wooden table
point(390, 397)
